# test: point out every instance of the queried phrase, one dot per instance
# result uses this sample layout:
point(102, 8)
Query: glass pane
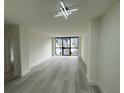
point(74, 52)
point(66, 42)
point(66, 52)
point(59, 42)
point(74, 42)
point(58, 51)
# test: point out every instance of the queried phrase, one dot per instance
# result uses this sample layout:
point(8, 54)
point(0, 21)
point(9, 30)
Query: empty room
point(61, 46)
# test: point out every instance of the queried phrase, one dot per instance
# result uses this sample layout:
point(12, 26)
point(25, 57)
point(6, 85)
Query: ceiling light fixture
point(65, 11)
point(64, 8)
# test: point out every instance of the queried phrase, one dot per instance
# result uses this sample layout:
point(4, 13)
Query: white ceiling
point(39, 14)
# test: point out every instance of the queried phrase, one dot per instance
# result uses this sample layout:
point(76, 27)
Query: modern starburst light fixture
point(65, 11)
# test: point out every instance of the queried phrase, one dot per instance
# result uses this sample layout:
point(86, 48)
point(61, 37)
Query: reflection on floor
point(56, 75)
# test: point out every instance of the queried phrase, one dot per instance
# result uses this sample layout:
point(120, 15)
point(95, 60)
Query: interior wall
point(24, 50)
point(40, 47)
point(30, 48)
point(85, 50)
point(89, 49)
point(109, 51)
point(94, 47)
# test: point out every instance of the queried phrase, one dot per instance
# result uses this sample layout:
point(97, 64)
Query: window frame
point(70, 47)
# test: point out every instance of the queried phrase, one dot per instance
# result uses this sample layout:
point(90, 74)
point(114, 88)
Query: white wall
point(40, 47)
point(109, 51)
point(31, 48)
point(24, 50)
point(85, 50)
point(94, 47)
point(89, 49)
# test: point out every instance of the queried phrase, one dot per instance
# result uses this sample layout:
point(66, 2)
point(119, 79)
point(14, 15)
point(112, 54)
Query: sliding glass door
point(66, 46)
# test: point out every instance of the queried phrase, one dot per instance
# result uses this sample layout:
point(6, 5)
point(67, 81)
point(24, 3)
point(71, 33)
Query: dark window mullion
point(62, 46)
point(70, 46)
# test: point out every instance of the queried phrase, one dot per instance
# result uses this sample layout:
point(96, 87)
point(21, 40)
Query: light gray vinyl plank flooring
point(56, 75)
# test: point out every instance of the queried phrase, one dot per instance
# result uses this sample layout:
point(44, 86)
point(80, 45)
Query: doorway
point(9, 60)
point(12, 58)
point(66, 46)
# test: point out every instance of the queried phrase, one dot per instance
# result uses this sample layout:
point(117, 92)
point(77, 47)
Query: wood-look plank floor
point(56, 75)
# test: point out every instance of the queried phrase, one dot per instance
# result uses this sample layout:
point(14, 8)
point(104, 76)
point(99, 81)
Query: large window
point(66, 46)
